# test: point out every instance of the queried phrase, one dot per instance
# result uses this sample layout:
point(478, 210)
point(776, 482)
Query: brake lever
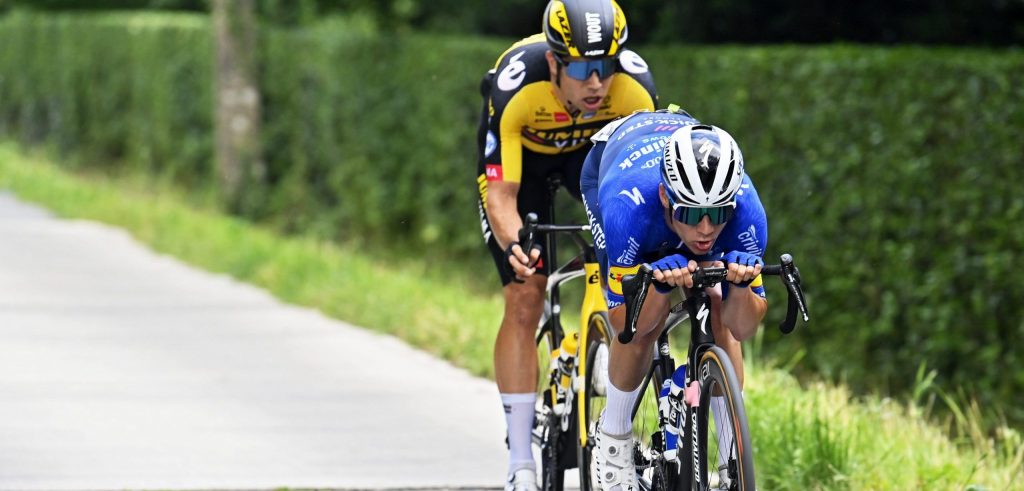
point(791, 278)
point(634, 289)
point(528, 234)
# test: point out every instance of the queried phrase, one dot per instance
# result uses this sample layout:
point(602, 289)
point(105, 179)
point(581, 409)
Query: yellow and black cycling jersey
point(523, 110)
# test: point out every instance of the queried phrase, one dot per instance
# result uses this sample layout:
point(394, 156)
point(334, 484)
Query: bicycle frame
point(585, 265)
point(702, 338)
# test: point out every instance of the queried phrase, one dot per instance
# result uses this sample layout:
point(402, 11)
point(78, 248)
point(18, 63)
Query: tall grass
point(817, 437)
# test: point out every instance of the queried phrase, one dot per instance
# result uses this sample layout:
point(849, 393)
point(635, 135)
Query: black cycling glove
point(509, 253)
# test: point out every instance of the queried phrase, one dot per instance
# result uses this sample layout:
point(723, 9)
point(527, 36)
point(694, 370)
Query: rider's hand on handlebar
point(522, 267)
point(743, 267)
point(674, 270)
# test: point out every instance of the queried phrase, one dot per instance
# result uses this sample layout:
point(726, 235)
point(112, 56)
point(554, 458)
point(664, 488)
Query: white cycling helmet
point(702, 167)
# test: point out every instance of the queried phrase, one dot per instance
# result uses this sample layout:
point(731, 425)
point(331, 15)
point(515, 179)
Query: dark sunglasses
point(581, 70)
point(693, 215)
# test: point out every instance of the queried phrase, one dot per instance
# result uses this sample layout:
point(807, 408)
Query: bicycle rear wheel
point(725, 457)
point(551, 441)
point(595, 383)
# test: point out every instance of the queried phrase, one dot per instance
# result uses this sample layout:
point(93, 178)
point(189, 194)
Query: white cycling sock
point(519, 413)
point(617, 417)
point(723, 423)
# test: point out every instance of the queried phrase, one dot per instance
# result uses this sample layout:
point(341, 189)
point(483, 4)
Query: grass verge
point(814, 438)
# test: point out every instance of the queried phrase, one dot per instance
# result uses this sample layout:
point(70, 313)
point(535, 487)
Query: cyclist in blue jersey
point(664, 189)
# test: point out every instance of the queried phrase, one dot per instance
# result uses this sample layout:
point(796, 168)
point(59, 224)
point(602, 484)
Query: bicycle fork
point(701, 338)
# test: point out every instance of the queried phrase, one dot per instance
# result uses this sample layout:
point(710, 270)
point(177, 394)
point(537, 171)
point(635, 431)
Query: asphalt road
point(124, 369)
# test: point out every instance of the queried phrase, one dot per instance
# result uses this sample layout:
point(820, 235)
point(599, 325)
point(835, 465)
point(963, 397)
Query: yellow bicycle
point(566, 357)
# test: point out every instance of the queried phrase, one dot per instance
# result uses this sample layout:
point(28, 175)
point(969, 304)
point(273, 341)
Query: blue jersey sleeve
point(623, 246)
point(747, 231)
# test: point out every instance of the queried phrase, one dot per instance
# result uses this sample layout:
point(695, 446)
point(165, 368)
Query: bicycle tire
point(717, 377)
point(547, 433)
point(593, 401)
point(552, 476)
point(653, 471)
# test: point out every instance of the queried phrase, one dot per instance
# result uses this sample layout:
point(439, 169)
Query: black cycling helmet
point(585, 28)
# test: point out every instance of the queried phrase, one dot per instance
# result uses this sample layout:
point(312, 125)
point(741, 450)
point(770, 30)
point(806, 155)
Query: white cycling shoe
point(522, 480)
point(614, 469)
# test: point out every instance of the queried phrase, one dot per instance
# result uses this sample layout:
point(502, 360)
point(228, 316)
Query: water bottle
point(670, 403)
point(564, 359)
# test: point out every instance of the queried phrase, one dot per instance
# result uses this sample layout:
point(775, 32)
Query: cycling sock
point(723, 423)
point(519, 412)
point(616, 419)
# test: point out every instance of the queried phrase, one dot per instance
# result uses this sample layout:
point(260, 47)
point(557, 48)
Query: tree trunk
point(239, 158)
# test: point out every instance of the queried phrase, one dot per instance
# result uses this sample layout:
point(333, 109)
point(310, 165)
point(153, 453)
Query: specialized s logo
point(705, 153)
point(512, 75)
point(702, 316)
point(634, 195)
point(615, 275)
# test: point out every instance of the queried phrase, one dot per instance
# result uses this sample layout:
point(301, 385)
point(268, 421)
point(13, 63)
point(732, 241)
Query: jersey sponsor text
point(494, 172)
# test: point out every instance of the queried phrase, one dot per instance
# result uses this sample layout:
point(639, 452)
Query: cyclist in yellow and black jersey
point(527, 107)
point(543, 100)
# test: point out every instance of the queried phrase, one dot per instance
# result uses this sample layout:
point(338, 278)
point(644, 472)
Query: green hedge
point(113, 90)
point(374, 137)
point(893, 175)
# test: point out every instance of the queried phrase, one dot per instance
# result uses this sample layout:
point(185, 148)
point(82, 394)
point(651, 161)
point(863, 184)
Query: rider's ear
point(552, 65)
point(663, 196)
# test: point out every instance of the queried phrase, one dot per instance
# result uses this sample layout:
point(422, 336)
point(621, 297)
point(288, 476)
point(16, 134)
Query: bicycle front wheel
point(724, 455)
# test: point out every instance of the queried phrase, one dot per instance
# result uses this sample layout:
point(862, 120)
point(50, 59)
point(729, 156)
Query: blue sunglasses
point(692, 215)
point(581, 70)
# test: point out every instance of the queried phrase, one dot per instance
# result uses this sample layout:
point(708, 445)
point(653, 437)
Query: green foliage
point(892, 175)
point(818, 438)
point(112, 89)
point(375, 137)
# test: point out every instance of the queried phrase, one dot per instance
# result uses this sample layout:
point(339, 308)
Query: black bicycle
point(674, 430)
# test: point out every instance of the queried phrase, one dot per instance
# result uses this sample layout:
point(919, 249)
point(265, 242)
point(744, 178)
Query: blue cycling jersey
point(619, 183)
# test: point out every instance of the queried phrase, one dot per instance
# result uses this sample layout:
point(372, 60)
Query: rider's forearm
point(502, 212)
point(743, 311)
